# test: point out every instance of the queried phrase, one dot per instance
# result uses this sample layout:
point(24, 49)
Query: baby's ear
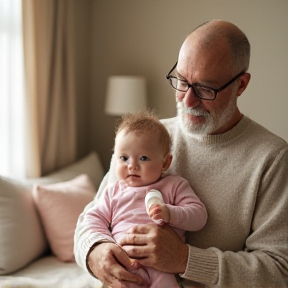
point(167, 162)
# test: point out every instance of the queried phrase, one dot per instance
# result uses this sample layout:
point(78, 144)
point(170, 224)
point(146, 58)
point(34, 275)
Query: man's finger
point(137, 235)
point(137, 252)
point(133, 239)
point(127, 263)
point(140, 229)
point(109, 263)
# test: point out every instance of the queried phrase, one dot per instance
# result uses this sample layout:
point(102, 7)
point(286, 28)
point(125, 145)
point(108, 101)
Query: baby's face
point(139, 158)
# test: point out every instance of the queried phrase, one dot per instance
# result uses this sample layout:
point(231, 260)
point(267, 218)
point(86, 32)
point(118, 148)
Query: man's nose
point(190, 99)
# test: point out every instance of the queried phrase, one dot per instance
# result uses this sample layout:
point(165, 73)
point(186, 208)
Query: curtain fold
point(50, 85)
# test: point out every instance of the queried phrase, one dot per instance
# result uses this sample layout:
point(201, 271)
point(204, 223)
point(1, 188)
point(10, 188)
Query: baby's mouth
point(133, 175)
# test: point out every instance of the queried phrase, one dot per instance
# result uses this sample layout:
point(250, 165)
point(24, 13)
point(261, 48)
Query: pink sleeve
point(98, 218)
point(187, 211)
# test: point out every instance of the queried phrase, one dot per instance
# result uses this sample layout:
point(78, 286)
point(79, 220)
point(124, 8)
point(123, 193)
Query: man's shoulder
point(265, 135)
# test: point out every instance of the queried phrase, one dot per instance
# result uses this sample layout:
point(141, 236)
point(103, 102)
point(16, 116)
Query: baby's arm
point(97, 218)
point(186, 211)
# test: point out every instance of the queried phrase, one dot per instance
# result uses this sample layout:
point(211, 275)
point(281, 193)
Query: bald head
point(225, 36)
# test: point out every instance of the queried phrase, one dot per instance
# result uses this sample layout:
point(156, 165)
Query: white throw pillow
point(21, 234)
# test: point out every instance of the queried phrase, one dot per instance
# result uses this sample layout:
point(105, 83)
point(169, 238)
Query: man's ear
point(167, 162)
point(244, 81)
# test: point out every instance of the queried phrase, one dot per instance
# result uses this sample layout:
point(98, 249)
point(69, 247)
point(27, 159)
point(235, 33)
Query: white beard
point(213, 121)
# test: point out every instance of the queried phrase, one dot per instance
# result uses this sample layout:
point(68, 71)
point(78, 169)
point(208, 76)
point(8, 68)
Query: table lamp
point(125, 94)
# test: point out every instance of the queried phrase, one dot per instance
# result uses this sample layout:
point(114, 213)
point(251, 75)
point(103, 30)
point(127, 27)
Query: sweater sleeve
point(263, 261)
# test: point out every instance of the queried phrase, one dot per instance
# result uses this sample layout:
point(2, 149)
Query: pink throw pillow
point(59, 206)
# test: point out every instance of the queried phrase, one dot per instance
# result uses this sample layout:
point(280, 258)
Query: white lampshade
point(125, 94)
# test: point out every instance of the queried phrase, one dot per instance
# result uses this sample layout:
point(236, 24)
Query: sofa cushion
point(49, 272)
point(89, 165)
point(59, 206)
point(21, 235)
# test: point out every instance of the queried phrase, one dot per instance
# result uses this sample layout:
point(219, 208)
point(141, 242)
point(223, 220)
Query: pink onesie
point(124, 207)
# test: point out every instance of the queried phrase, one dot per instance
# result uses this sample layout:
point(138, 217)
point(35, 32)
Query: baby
point(142, 155)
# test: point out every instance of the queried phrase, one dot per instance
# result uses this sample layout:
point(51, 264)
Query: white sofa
point(37, 222)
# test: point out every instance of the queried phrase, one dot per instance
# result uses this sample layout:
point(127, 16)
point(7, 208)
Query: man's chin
point(195, 125)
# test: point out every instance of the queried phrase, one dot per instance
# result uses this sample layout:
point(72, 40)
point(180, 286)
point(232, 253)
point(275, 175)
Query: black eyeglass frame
point(216, 91)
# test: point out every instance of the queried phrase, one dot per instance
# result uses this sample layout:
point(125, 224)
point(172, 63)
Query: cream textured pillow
point(22, 237)
point(59, 206)
point(89, 165)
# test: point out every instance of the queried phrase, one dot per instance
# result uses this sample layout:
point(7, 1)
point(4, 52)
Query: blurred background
point(134, 37)
point(73, 47)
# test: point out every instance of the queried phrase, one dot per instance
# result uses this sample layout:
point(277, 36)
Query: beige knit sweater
point(242, 178)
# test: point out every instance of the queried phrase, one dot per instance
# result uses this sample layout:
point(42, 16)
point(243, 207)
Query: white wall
point(143, 38)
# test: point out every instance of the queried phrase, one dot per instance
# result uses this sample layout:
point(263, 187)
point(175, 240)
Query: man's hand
point(156, 246)
point(107, 262)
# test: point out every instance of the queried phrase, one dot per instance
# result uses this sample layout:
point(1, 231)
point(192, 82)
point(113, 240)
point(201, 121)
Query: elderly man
point(237, 168)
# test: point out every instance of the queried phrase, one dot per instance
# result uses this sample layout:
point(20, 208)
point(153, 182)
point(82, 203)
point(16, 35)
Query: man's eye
point(205, 92)
point(181, 85)
point(144, 158)
point(123, 158)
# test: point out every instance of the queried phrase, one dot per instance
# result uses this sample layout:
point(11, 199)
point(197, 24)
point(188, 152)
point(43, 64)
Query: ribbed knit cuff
point(87, 245)
point(202, 266)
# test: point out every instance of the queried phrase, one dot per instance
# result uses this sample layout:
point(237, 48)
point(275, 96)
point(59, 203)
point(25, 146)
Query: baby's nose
point(133, 165)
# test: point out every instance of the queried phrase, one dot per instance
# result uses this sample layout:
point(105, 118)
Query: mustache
point(197, 111)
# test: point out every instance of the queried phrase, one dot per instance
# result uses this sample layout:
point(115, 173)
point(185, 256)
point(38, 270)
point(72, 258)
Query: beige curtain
point(50, 86)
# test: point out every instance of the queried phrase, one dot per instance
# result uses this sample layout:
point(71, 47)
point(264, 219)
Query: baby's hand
point(159, 212)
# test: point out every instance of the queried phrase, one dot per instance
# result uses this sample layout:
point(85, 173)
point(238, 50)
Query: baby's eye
point(144, 158)
point(123, 158)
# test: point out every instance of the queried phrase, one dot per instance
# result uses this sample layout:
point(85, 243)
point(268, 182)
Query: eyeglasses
point(201, 91)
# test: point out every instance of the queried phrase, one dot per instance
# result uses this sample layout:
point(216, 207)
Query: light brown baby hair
point(146, 121)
